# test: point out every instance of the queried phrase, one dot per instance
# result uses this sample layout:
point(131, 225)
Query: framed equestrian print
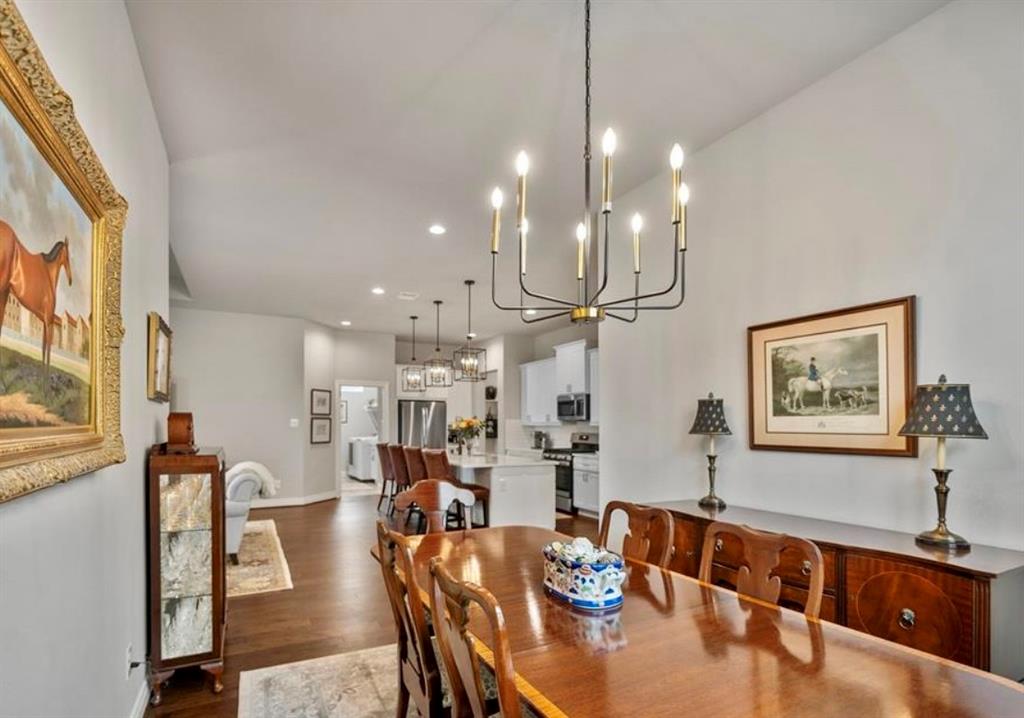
point(158, 364)
point(61, 222)
point(836, 382)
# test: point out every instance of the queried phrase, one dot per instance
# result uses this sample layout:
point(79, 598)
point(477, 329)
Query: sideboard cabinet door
point(932, 611)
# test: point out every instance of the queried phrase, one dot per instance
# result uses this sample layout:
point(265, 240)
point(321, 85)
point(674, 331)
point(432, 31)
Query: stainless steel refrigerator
point(423, 423)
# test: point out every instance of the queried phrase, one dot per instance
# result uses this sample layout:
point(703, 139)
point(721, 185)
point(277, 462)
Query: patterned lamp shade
point(943, 410)
point(710, 417)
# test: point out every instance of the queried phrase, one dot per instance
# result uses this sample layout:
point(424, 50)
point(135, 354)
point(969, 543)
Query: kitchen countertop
point(495, 461)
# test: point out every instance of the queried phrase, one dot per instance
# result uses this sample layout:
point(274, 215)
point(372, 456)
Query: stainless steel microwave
point(574, 407)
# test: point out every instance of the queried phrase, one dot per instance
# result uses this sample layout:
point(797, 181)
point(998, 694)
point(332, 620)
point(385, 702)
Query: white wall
point(899, 174)
point(242, 377)
point(72, 560)
point(318, 361)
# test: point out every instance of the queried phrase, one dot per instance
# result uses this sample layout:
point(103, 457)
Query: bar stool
point(388, 489)
point(439, 467)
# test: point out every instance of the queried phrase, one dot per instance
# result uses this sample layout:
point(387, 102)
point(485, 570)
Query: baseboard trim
point(141, 700)
point(294, 500)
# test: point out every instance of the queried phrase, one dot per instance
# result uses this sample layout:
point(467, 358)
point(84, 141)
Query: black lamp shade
point(943, 410)
point(710, 417)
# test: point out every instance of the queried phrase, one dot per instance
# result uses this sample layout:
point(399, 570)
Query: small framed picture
point(158, 363)
point(320, 430)
point(836, 382)
point(343, 412)
point(320, 402)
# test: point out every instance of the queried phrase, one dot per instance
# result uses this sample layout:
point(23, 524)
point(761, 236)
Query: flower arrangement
point(466, 429)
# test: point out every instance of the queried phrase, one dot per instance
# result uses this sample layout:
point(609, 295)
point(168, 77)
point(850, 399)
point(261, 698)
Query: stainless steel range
point(580, 443)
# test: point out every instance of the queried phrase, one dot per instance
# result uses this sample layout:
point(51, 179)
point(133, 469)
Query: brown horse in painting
point(33, 279)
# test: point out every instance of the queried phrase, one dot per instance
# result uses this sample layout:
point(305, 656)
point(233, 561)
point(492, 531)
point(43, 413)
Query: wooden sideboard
point(968, 607)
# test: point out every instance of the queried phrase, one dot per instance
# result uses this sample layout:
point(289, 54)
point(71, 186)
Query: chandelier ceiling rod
point(586, 308)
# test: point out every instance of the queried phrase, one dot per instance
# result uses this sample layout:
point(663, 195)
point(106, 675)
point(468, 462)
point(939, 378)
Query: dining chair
point(433, 498)
point(649, 532)
point(762, 553)
point(439, 467)
point(401, 469)
point(450, 602)
point(419, 675)
point(387, 473)
point(414, 460)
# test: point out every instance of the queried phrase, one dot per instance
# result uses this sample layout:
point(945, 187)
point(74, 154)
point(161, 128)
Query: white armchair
point(242, 486)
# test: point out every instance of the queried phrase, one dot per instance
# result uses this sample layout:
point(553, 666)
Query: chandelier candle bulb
point(522, 167)
point(683, 198)
point(675, 161)
point(637, 224)
point(523, 231)
point(496, 201)
point(581, 241)
point(608, 143)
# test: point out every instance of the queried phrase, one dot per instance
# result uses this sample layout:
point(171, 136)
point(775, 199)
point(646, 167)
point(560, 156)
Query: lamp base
point(943, 537)
point(711, 502)
point(940, 535)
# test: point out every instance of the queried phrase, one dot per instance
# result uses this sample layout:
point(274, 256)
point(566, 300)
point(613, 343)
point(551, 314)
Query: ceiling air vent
point(408, 296)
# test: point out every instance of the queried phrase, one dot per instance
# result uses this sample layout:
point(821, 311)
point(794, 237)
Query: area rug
point(262, 566)
point(360, 684)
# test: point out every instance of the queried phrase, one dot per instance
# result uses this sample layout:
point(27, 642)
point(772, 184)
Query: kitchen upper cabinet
point(538, 393)
point(571, 367)
point(595, 386)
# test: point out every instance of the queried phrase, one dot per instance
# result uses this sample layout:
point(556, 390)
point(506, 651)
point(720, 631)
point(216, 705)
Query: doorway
point(363, 422)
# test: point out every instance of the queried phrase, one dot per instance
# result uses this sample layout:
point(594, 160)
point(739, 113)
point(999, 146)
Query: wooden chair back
point(450, 602)
point(762, 553)
point(399, 466)
point(387, 471)
point(419, 675)
point(434, 497)
point(649, 536)
point(438, 466)
point(414, 460)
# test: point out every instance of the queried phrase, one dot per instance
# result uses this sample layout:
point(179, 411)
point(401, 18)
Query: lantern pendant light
point(438, 370)
point(470, 362)
point(412, 375)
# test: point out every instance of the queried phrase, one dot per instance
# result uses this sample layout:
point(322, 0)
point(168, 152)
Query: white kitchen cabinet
point(539, 406)
point(595, 386)
point(571, 367)
point(584, 490)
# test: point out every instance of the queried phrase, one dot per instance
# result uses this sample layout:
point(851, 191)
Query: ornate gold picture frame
point(62, 333)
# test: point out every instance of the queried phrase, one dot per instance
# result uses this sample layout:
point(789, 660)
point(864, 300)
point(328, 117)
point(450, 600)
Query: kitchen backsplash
point(521, 437)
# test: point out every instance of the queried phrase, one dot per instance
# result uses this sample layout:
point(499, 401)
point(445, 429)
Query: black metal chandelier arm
point(682, 293)
point(676, 266)
point(604, 272)
point(636, 303)
point(512, 308)
point(522, 281)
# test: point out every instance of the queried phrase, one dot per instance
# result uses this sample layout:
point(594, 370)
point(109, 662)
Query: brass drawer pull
point(719, 544)
point(805, 568)
point(907, 619)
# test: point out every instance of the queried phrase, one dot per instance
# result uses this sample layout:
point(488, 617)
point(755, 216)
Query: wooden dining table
point(681, 647)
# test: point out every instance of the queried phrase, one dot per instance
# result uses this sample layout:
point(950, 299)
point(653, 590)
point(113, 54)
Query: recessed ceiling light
point(531, 312)
point(437, 229)
point(377, 290)
point(346, 323)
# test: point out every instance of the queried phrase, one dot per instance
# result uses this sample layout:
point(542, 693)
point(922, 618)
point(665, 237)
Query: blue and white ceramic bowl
point(591, 585)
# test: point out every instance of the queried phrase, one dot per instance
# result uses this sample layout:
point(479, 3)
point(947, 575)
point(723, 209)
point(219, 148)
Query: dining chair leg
point(402, 709)
point(383, 493)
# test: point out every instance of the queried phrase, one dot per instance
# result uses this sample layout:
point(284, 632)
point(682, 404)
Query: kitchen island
point(522, 488)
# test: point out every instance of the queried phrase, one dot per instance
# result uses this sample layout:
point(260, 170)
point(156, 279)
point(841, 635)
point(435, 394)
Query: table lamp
point(710, 420)
point(943, 410)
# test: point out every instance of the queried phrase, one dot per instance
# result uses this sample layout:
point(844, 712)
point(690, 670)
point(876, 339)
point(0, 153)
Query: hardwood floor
point(338, 603)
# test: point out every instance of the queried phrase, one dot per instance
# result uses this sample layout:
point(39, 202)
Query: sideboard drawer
point(932, 611)
point(789, 597)
point(791, 568)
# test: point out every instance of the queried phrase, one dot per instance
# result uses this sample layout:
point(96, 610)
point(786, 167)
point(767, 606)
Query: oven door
point(563, 488)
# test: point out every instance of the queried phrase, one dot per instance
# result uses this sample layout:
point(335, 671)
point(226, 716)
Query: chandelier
point(588, 306)
point(438, 370)
point(412, 375)
point(470, 361)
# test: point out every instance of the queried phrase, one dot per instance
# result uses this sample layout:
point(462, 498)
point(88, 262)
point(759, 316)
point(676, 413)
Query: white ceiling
point(312, 144)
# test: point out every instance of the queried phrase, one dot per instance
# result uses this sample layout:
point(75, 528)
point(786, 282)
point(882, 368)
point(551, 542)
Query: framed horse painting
point(61, 223)
point(837, 382)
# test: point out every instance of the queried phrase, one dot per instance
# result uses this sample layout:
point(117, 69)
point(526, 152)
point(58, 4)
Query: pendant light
point(412, 375)
point(470, 362)
point(438, 370)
